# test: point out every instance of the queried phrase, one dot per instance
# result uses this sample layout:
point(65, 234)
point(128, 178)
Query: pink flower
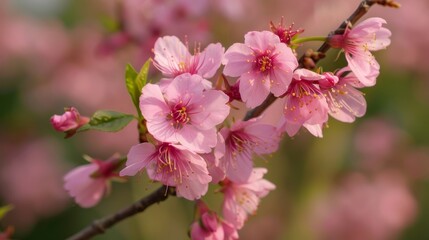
point(69, 122)
point(357, 43)
point(344, 101)
point(172, 58)
point(172, 165)
point(184, 113)
point(210, 226)
point(242, 199)
point(241, 141)
point(88, 183)
point(285, 33)
point(305, 103)
point(264, 65)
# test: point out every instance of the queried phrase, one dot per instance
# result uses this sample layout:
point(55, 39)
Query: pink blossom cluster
point(265, 64)
point(189, 142)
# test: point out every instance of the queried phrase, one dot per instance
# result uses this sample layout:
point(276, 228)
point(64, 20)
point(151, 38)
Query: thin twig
point(101, 225)
point(161, 194)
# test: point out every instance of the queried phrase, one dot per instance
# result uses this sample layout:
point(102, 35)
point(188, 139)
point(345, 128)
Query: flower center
point(264, 63)
point(179, 116)
point(165, 161)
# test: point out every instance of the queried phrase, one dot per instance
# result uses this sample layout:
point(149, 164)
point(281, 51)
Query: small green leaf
point(141, 79)
point(4, 210)
point(135, 82)
point(107, 121)
point(130, 76)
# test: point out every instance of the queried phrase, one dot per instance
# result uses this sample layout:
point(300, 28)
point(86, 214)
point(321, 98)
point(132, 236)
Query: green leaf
point(130, 76)
point(142, 76)
point(135, 82)
point(107, 121)
point(4, 210)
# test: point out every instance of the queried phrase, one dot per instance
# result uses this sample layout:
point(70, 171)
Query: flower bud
point(69, 122)
point(329, 81)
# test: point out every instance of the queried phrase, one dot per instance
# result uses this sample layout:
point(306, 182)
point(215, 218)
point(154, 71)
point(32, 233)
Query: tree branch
point(161, 194)
point(101, 225)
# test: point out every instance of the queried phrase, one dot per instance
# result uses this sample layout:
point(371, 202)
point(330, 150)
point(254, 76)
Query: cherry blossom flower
point(173, 165)
point(172, 58)
point(210, 227)
point(241, 141)
point(184, 113)
point(344, 101)
point(285, 33)
point(358, 43)
point(69, 122)
point(263, 64)
point(305, 104)
point(89, 183)
point(242, 199)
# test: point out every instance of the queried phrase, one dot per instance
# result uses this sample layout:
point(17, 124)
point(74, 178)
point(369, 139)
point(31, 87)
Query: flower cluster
point(189, 141)
point(265, 63)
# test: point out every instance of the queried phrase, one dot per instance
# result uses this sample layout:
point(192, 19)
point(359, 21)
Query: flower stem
point(309, 39)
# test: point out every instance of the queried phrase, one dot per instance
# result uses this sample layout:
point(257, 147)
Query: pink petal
point(237, 60)
point(184, 87)
point(305, 74)
point(365, 67)
point(239, 169)
point(200, 141)
point(252, 90)
point(315, 129)
point(87, 191)
point(152, 103)
point(348, 104)
point(380, 41)
point(366, 27)
point(209, 60)
point(261, 40)
point(214, 110)
point(162, 130)
point(267, 135)
point(232, 213)
point(138, 158)
point(169, 54)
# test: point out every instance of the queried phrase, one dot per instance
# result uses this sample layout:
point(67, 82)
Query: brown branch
point(161, 194)
point(100, 226)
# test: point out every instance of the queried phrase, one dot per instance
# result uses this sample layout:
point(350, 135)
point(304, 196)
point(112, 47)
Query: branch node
point(98, 227)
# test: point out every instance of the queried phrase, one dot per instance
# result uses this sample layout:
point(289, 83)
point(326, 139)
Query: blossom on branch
point(242, 198)
point(210, 226)
point(172, 165)
point(241, 141)
point(172, 58)
point(184, 112)
point(344, 101)
point(263, 64)
point(88, 183)
point(305, 104)
point(358, 43)
point(69, 121)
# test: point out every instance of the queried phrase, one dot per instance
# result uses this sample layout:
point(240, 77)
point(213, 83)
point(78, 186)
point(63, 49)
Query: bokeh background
point(365, 180)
